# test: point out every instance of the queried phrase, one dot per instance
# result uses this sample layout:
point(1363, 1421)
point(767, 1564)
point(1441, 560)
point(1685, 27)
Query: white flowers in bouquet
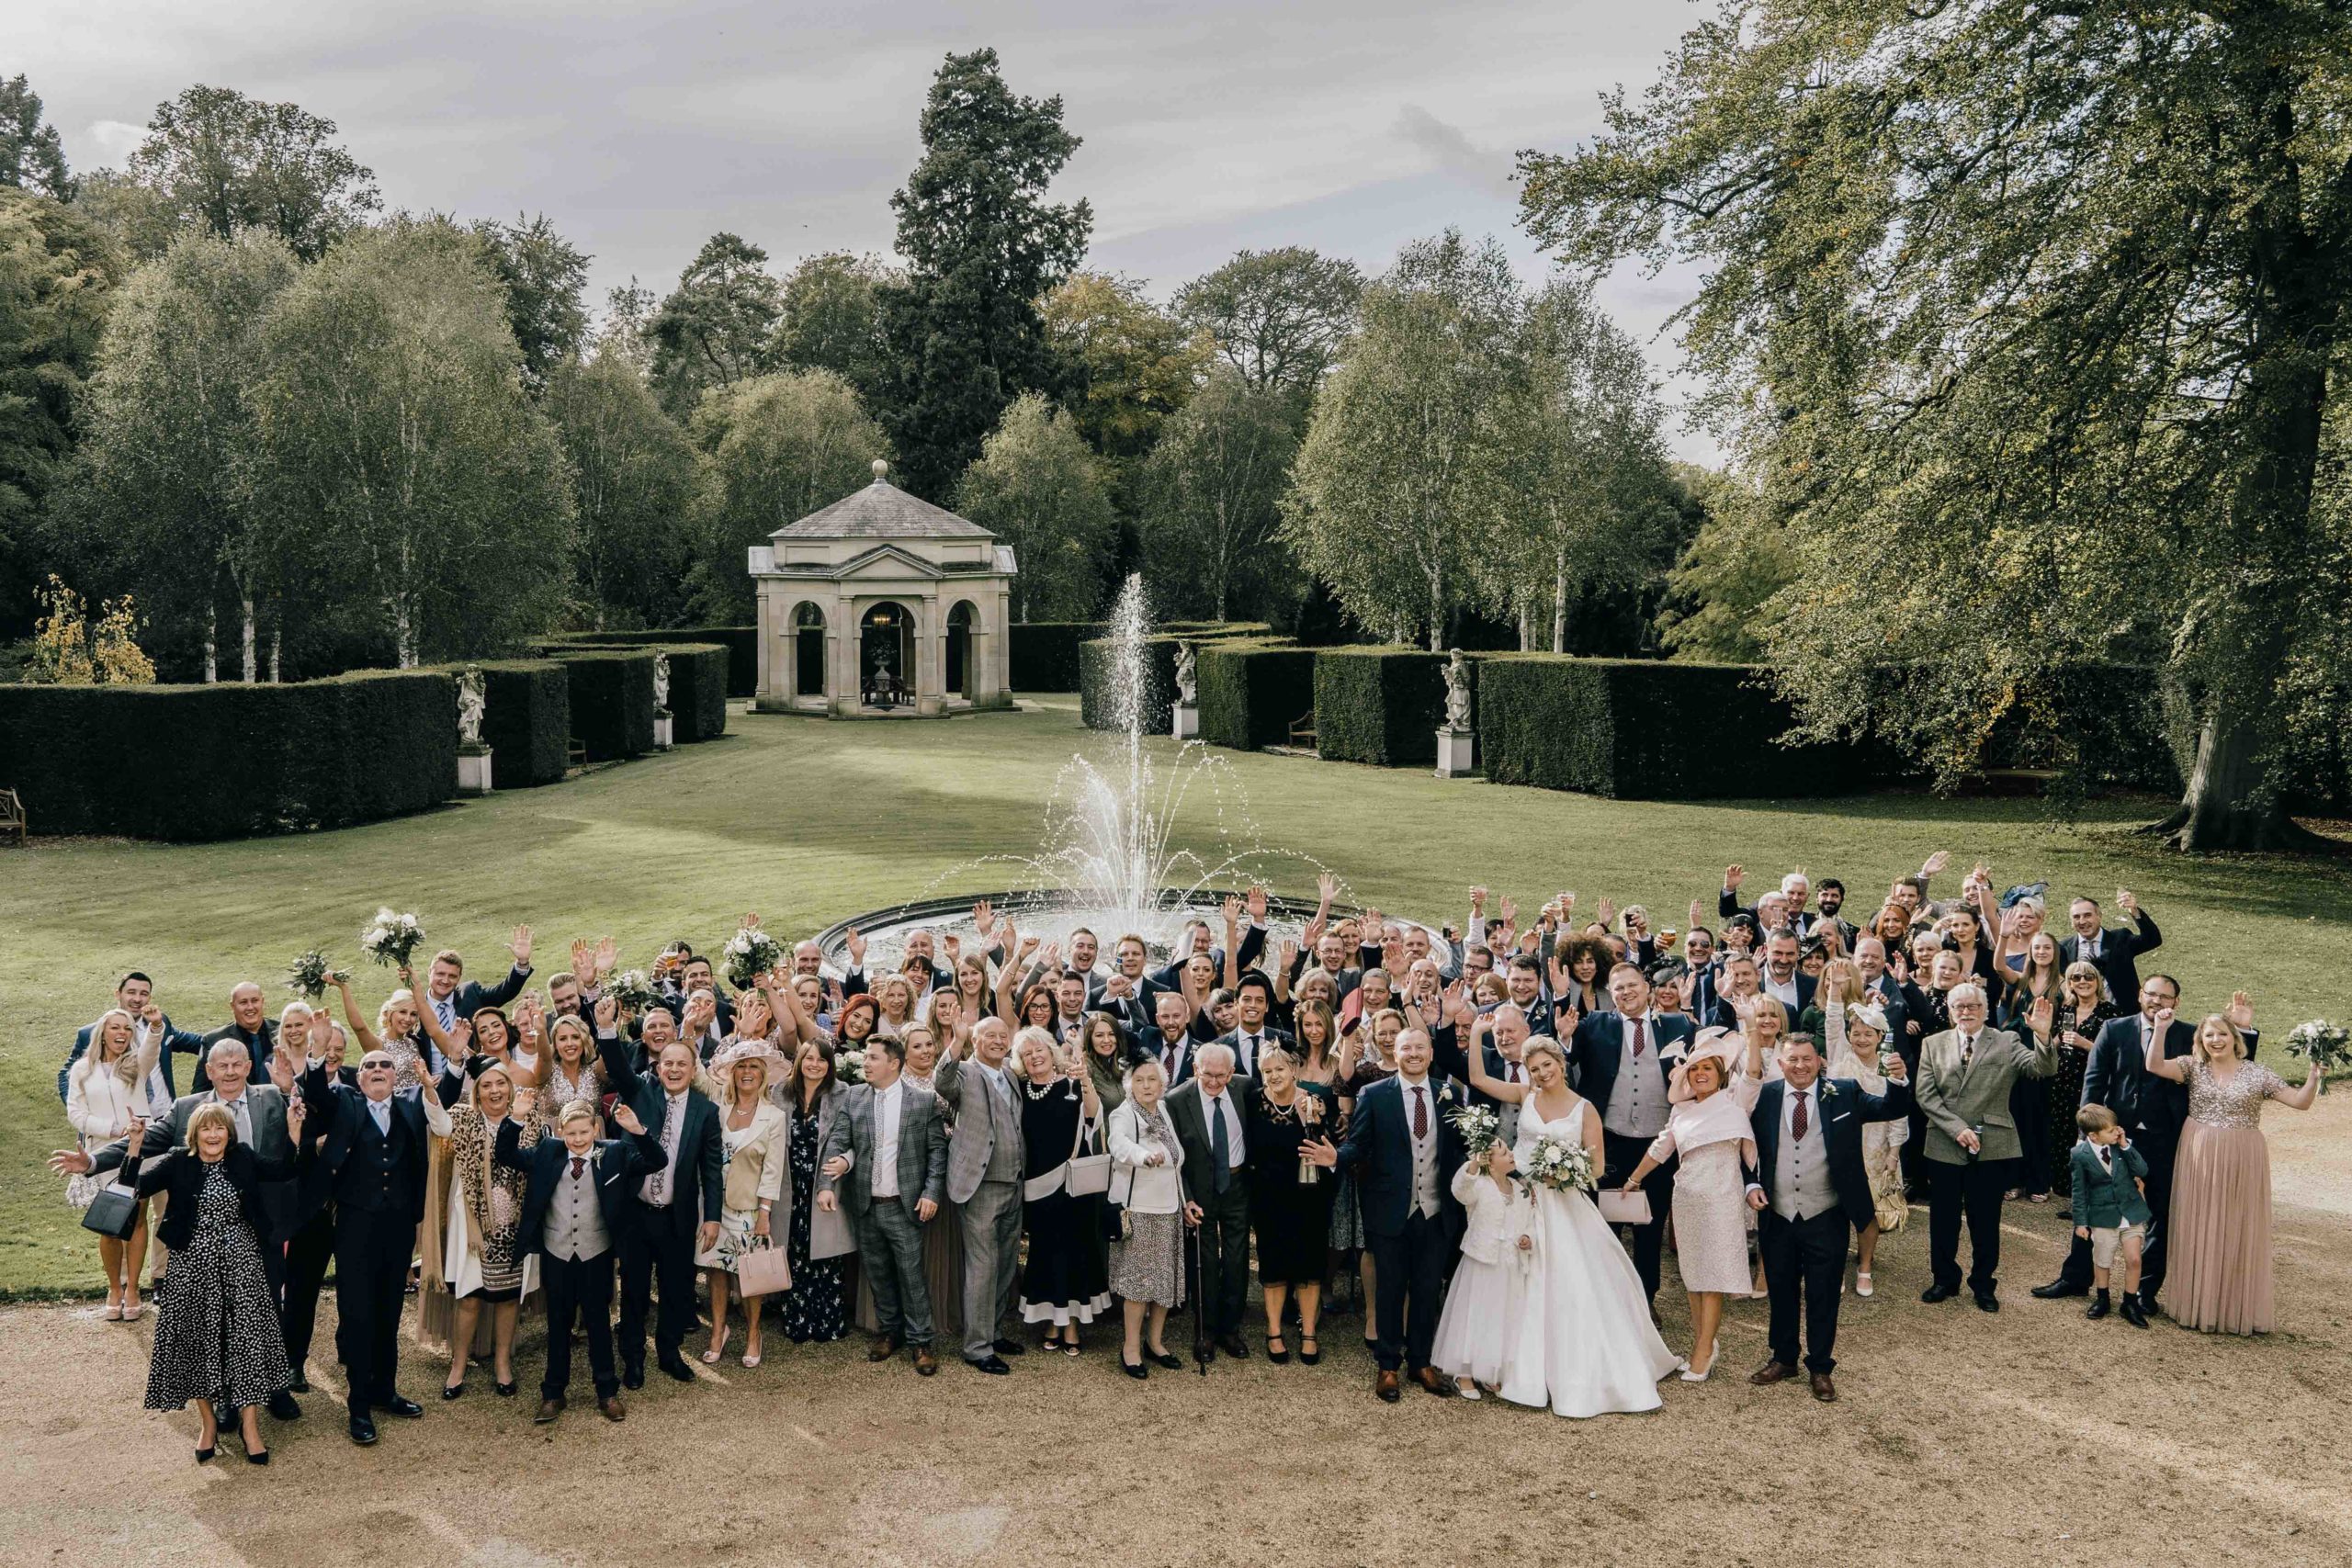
point(391, 938)
point(2323, 1043)
point(1480, 1128)
point(1561, 1164)
point(849, 1067)
point(310, 975)
point(632, 992)
point(749, 953)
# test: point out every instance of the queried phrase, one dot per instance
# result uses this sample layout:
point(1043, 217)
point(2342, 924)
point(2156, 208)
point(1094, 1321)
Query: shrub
point(612, 699)
point(1250, 693)
point(698, 675)
point(1160, 661)
point(525, 719)
point(1045, 653)
point(228, 761)
point(1382, 705)
point(742, 643)
point(1639, 729)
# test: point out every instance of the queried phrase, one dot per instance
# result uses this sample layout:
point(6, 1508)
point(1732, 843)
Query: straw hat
point(723, 1065)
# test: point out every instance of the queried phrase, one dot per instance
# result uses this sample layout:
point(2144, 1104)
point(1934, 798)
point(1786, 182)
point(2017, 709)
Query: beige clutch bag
point(1619, 1207)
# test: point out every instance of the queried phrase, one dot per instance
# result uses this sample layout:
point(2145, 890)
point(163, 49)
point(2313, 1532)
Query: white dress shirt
point(889, 1103)
point(1221, 1105)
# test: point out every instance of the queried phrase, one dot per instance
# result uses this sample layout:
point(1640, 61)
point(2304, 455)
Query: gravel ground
point(2027, 1438)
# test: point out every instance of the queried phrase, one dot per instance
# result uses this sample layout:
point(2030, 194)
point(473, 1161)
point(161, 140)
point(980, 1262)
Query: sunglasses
point(377, 1064)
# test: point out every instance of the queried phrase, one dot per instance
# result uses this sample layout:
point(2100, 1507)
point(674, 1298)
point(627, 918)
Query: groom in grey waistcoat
point(984, 1179)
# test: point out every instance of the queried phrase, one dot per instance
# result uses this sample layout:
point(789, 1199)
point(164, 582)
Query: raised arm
point(1474, 1057)
point(612, 1052)
point(2153, 1057)
point(359, 1030)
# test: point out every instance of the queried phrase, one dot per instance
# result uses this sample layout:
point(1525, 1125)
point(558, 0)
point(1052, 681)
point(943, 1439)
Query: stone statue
point(470, 704)
point(1457, 692)
point(1186, 681)
point(661, 683)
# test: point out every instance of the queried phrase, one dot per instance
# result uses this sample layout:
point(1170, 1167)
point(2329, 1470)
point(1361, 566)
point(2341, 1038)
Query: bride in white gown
point(1583, 1343)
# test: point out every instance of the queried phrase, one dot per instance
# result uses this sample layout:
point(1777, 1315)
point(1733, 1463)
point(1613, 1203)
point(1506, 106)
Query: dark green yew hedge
point(1045, 653)
point(1382, 705)
point(1250, 693)
point(742, 643)
point(612, 699)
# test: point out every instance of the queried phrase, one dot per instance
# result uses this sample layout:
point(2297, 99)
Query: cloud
point(1449, 148)
point(117, 138)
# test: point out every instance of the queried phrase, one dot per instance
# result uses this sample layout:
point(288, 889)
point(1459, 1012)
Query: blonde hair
point(1544, 1045)
point(384, 1013)
point(210, 1114)
point(2238, 1040)
point(577, 1110)
point(94, 1060)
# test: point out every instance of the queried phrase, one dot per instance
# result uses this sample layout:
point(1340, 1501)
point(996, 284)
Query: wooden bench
point(575, 755)
point(1302, 731)
point(12, 816)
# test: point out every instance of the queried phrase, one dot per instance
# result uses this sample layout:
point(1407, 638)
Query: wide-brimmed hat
point(758, 1051)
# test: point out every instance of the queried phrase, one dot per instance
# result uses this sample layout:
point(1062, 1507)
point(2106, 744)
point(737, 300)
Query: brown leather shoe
point(1772, 1372)
point(549, 1410)
point(885, 1346)
point(1427, 1377)
point(1823, 1389)
point(925, 1363)
point(611, 1408)
point(1386, 1386)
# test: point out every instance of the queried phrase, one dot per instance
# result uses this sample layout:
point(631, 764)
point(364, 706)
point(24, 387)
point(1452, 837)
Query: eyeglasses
point(376, 1063)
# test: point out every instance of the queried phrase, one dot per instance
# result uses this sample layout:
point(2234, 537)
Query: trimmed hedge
point(525, 720)
point(1639, 729)
point(742, 643)
point(1160, 657)
point(1045, 653)
point(1382, 705)
point(230, 761)
point(1250, 693)
point(698, 676)
point(612, 700)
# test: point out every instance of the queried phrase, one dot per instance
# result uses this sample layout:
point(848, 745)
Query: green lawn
point(807, 822)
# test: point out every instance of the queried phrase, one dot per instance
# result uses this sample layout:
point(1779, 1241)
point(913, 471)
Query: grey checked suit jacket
point(923, 1148)
point(963, 1088)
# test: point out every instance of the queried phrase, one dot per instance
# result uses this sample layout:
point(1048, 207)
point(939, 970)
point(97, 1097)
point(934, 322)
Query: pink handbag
point(762, 1272)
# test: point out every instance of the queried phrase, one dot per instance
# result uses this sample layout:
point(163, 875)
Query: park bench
point(12, 816)
point(1302, 731)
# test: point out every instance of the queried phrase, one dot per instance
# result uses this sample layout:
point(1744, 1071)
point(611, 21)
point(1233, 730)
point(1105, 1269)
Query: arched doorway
point(886, 659)
point(959, 649)
point(808, 650)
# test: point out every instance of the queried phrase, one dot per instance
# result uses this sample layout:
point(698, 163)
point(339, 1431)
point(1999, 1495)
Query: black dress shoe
point(1234, 1346)
point(396, 1406)
point(992, 1365)
point(1010, 1348)
point(1168, 1358)
point(2134, 1313)
point(1934, 1294)
point(505, 1389)
point(2058, 1290)
point(633, 1375)
point(675, 1365)
point(204, 1455)
point(281, 1405)
point(452, 1390)
point(363, 1430)
point(301, 1383)
point(1134, 1369)
point(1987, 1302)
point(2099, 1307)
point(254, 1457)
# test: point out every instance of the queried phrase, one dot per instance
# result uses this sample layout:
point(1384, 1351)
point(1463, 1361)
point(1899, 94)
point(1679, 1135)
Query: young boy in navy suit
point(2110, 1209)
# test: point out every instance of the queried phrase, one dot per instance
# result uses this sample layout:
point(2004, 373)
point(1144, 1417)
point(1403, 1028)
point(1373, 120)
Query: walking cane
point(1200, 1307)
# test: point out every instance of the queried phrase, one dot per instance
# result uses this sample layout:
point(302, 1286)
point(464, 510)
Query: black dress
point(816, 1306)
point(1293, 1219)
point(220, 1338)
point(1065, 1279)
point(2064, 1086)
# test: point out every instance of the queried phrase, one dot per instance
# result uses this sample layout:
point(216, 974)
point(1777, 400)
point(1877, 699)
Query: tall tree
point(624, 333)
point(833, 319)
point(544, 274)
point(57, 274)
point(1402, 480)
point(31, 158)
point(2044, 302)
point(1592, 502)
point(1127, 363)
point(635, 480)
point(1037, 488)
point(982, 246)
point(218, 161)
point(1211, 493)
point(394, 429)
point(1734, 564)
point(1278, 315)
point(717, 326)
point(168, 502)
point(775, 448)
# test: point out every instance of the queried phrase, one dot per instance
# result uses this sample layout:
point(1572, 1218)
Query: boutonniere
point(1828, 1091)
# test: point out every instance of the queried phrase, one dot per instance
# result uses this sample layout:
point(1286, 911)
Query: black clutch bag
point(114, 1212)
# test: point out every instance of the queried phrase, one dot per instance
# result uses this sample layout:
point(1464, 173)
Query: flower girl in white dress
point(1481, 1305)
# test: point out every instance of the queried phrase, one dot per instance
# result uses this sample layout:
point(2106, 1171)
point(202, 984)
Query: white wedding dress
point(1583, 1343)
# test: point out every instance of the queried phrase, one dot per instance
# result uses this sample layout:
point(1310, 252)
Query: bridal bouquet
point(1561, 1164)
point(310, 975)
point(2322, 1043)
point(1480, 1128)
point(391, 938)
point(849, 1067)
point(632, 992)
point(749, 953)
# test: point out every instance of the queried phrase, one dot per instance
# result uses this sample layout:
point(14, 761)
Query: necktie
point(1220, 1151)
point(657, 1186)
point(576, 1164)
point(238, 1108)
point(1799, 1121)
point(1421, 1113)
point(1639, 1039)
point(381, 1109)
point(1967, 1049)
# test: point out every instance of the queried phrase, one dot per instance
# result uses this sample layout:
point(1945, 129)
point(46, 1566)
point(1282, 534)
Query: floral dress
point(817, 1307)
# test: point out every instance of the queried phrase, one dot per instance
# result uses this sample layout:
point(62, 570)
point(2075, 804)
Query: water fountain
point(1110, 857)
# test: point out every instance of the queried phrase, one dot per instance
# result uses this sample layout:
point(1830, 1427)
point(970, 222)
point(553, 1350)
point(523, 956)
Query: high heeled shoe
point(1700, 1374)
point(452, 1390)
point(1136, 1369)
point(253, 1457)
point(204, 1455)
point(505, 1389)
point(710, 1357)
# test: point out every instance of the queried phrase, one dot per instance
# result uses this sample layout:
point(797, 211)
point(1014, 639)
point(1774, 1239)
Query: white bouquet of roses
point(2324, 1045)
point(391, 938)
point(849, 1067)
point(1561, 1164)
point(749, 953)
point(1480, 1128)
point(632, 992)
point(308, 975)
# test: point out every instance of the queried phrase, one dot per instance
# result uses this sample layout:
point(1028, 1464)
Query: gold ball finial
point(881, 470)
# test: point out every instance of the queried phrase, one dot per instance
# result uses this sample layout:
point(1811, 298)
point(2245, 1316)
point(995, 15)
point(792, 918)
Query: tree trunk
point(1437, 612)
point(1560, 605)
point(1526, 629)
point(252, 665)
point(211, 643)
point(276, 637)
point(2229, 804)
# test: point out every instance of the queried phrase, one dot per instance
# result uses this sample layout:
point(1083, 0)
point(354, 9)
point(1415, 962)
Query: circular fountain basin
point(1054, 916)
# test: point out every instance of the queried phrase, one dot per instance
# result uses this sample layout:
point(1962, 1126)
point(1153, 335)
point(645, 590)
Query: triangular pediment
point(887, 561)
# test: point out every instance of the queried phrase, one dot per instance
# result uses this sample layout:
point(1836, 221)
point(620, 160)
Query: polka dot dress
point(218, 1339)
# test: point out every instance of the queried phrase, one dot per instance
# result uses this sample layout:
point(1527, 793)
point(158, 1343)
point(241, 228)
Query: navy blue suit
point(1804, 1259)
point(578, 1288)
point(1412, 1252)
point(1597, 1051)
point(658, 1243)
point(2119, 952)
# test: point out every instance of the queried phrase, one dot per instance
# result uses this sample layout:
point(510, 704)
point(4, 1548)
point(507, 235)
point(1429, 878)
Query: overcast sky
point(641, 128)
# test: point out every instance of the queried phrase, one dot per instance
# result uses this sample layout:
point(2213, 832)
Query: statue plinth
point(1454, 747)
point(1184, 721)
point(473, 770)
point(661, 731)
